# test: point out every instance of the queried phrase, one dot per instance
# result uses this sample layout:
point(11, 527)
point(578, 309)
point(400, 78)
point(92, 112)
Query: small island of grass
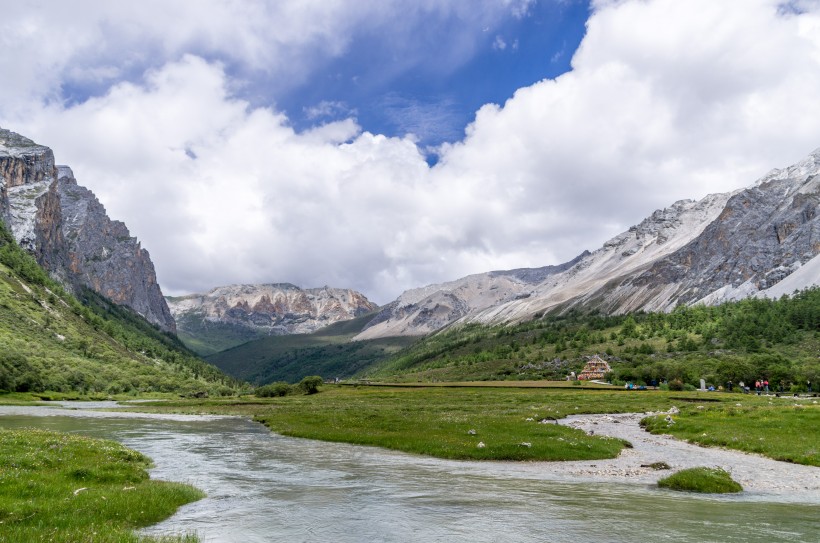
point(703, 480)
point(66, 488)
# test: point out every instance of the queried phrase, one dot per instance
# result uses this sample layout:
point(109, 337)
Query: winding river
point(263, 487)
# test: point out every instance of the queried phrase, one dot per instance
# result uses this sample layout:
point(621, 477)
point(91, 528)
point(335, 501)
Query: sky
point(383, 145)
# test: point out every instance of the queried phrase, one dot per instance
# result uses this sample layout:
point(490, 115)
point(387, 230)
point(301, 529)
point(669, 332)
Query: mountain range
point(231, 315)
point(763, 240)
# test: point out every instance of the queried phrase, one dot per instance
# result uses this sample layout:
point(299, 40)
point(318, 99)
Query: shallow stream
point(263, 487)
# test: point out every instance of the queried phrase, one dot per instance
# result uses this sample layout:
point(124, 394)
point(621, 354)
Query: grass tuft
point(703, 480)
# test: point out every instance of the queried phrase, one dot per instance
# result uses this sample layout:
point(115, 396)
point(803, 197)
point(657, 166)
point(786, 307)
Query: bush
point(705, 480)
point(310, 384)
point(676, 385)
point(273, 390)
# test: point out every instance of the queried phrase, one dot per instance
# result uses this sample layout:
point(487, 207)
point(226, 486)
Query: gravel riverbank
point(755, 473)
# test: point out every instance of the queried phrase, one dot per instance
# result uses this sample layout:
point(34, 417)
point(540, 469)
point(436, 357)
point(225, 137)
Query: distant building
point(595, 368)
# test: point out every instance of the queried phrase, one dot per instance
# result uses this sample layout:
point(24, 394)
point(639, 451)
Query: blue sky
point(393, 89)
point(383, 145)
point(427, 77)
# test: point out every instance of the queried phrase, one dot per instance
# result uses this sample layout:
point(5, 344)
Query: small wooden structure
point(595, 368)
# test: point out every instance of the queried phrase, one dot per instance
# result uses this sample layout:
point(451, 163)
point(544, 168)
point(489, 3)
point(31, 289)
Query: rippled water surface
point(264, 487)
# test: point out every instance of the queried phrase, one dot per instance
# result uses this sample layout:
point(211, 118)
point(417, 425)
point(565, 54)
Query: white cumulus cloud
point(666, 100)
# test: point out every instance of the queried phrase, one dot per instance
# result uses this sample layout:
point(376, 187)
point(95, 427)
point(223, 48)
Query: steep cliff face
point(102, 254)
point(763, 235)
point(29, 203)
point(272, 308)
point(67, 230)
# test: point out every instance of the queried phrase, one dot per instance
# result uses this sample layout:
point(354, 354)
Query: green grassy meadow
point(437, 420)
point(63, 488)
point(779, 428)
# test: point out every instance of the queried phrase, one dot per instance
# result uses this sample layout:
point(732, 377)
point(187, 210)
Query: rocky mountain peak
point(799, 172)
point(69, 233)
point(271, 308)
point(26, 174)
point(104, 256)
point(426, 309)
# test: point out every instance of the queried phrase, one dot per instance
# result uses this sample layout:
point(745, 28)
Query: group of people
point(762, 386)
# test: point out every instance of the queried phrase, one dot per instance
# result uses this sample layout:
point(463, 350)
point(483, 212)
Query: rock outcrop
point(272, 308)
point(759, 241)
point(67, 230)
point(29, 203)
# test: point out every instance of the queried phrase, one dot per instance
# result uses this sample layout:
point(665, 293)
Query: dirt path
point(755, 473)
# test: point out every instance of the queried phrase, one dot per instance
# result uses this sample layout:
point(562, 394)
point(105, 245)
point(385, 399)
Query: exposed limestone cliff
point(28, 196)
point(274, 308)
point(725, 247)
point(67, 230)
point(764, 233)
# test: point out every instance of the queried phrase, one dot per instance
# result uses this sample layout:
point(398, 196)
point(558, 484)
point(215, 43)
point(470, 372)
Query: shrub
point(704, 480)
point(676, 385)
point(274, 389)
point(310, 384)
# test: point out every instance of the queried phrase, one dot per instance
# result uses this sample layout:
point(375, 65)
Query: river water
point(263, 487)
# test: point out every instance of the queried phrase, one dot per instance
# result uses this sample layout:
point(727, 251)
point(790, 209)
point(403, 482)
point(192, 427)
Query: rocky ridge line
point(276, 308)
point(759, 241)
point(424, 310)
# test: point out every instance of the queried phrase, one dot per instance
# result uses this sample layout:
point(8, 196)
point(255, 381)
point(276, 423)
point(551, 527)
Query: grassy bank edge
point(67, 488)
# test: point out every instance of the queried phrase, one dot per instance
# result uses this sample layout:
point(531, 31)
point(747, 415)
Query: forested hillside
point(50, 341)
point(741, 341)
point(328, 352)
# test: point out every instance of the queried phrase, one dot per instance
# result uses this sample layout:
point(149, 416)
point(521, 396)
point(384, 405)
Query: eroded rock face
point(28, 191)
point(102, 254)
point(66, 229)
point(764, 233)
point(279, 308)
point(760, 241)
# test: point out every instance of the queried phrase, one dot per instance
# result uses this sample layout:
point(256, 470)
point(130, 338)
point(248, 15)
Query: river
point(264, 487)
